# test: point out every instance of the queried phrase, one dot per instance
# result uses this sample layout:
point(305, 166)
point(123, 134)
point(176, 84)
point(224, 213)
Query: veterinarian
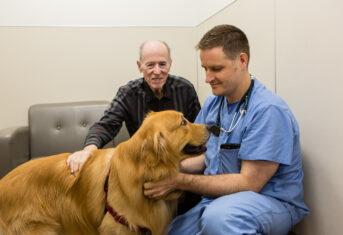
point(252, 181)
point(157, 90)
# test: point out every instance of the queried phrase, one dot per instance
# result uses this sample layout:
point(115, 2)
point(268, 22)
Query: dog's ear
point(154, 149)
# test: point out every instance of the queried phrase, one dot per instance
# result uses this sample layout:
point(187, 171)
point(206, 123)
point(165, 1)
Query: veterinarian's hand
point(160, 189)
point(77, 159)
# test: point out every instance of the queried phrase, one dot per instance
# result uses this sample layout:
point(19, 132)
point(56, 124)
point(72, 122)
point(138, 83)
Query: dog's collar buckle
point(118, 218)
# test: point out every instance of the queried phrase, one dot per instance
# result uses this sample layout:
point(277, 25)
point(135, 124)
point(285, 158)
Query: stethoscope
point(243, 102)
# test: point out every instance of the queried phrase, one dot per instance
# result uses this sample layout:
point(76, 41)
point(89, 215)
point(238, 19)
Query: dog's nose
point(215, 130)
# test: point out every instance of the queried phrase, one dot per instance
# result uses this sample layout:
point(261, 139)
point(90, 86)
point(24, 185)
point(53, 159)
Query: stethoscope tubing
point(244, 101)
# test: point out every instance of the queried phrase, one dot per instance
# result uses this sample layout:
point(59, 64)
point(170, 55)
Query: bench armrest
point(14, 148)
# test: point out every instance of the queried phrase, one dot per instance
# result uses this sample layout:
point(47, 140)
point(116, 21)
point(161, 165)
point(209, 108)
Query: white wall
point(62, 64)
point(42, 63)
point(119, 13)
point(309, 39)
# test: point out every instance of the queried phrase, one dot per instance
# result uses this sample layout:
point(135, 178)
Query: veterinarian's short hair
point(163, 42)
point(230, 38)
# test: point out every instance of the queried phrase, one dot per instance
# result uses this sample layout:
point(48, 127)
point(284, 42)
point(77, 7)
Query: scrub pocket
point(229, 161)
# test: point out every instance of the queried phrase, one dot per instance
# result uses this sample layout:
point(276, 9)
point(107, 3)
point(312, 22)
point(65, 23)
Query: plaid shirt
point(134, 100)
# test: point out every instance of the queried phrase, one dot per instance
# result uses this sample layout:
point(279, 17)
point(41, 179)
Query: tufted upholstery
point(53, 128)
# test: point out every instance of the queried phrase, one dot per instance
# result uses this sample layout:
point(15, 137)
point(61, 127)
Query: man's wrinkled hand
point(77, 159)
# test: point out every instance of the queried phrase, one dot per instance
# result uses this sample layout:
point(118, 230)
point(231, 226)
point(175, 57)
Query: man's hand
point(160, 189)
point(77, 159)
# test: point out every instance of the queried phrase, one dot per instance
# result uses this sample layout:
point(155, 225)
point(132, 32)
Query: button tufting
point(84, 124)
point(58, 127)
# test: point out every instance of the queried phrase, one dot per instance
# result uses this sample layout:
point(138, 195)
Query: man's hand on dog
point(77, 159)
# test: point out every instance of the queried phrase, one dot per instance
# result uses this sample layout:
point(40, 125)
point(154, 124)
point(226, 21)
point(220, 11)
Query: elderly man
point(157, 90)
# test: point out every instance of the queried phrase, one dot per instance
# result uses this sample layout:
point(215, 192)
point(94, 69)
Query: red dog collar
point(118, 218)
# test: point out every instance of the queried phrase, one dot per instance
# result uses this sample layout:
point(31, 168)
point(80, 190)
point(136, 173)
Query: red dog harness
point(116, 216)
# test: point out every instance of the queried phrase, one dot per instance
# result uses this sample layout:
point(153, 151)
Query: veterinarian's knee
point(216, 220)
point(211, 220)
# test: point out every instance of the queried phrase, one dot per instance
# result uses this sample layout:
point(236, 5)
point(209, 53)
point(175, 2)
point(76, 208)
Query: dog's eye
point(183, 123)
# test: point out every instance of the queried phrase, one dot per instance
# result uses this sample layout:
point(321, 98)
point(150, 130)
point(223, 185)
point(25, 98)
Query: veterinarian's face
point(222, 73)
point(155, 65)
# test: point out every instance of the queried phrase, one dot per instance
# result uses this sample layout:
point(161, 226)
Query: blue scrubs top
point(268, 131)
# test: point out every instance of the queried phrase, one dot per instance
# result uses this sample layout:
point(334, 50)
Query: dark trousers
point(187, 201)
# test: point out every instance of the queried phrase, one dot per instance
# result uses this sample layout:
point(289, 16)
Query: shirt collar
point(150, 95)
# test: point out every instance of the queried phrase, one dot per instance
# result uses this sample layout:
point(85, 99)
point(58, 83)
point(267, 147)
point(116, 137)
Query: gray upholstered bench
point(52, 129)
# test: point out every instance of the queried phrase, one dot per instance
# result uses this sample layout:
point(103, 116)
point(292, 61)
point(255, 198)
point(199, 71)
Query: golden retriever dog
point(42, 197)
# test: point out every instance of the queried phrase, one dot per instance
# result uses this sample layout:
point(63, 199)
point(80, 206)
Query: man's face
point(155, 65)
point(223, 74)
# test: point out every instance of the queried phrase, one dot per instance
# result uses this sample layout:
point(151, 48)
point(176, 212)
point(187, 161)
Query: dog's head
point(168, 137)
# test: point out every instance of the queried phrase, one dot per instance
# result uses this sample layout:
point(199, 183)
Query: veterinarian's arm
point(77, 159)
point(253, 176)
point(193, 165)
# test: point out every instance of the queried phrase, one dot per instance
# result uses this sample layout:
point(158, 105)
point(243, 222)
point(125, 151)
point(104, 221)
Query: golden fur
point(42, 197)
